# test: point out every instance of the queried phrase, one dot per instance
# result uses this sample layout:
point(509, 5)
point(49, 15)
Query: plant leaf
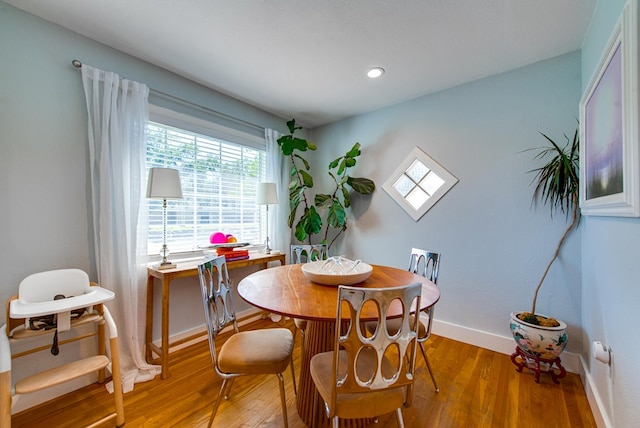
point(322, 201)
point(336, 215)
point(286, 144)
point(346, 197)
point(364, 186)
point(291, 124)
point(304, 162)
point(292, 214)
point(355, 151)
point(300, 234)
point(300, 144)
point(557, 181)
point(311, 221)
point(295, 195)
point(306, 178)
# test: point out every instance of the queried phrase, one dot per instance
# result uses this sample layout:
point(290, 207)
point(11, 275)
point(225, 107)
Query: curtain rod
point(78, 64)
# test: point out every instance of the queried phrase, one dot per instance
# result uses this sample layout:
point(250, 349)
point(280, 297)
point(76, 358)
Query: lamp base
point(166, 265)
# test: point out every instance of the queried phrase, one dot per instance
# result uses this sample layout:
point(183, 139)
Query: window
point(418, 183)
point(218, 180)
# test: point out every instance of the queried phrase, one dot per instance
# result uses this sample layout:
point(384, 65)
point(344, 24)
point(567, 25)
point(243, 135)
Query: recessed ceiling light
point(375, 72)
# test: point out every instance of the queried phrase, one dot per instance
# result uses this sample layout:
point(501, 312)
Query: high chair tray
point(21, 309)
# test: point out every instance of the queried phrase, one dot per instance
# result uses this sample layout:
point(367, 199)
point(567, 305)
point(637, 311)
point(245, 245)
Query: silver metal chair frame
point(303, 253)
point(220, 313)
point(356, 343)
point(427, 264)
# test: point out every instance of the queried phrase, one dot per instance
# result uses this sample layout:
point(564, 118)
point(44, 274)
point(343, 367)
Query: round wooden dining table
point(286, 291)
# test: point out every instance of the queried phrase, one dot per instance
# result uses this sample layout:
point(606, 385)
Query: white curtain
point(278, 214)
point(118, 112)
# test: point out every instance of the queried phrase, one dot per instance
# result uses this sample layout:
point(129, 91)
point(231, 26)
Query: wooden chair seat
point(355, 405)
point(257, 352)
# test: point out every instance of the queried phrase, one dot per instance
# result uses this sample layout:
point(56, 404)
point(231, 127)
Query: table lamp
point(266, 194)
point(164, 183)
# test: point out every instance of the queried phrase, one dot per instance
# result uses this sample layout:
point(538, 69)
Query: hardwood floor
point(478, 388)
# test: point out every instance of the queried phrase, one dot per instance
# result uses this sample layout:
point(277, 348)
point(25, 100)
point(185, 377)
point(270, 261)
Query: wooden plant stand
point(538, 365)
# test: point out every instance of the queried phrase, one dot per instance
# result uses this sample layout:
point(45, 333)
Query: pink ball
point(218, 238)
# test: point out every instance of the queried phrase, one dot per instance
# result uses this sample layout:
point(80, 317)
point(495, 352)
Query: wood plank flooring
point(478, 388)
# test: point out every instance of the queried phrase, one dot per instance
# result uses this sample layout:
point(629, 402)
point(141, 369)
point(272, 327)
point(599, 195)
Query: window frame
point(449, 180)
point(215, 131)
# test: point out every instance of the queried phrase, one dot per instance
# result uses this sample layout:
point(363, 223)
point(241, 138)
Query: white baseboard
point(482, 339)
point(595, 401)
point(493, 342)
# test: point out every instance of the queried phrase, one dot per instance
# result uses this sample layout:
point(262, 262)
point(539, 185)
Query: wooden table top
point(286, 291)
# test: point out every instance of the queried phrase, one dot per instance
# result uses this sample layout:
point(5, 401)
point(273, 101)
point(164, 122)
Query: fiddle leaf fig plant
point(334, 204)
point(310, 222)
point(557, 185)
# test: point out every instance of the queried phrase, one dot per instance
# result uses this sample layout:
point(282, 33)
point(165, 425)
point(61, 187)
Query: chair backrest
point(303, 253)
point(217, 300)
point(44, 286)
point(425, 263)
point(382, 360)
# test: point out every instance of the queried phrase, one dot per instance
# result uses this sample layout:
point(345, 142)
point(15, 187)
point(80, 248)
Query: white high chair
point(39, 309)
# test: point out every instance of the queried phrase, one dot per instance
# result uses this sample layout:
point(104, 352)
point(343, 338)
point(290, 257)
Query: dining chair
point(304, 253)
point(366, 376)
point(255, 352)
point(427, 264)
point(58, 304)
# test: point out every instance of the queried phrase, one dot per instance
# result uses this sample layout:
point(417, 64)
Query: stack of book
point(231, 254)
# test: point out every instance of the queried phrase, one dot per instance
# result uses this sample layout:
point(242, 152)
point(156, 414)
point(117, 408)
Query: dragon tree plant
point(333, 204)
point(556, 185)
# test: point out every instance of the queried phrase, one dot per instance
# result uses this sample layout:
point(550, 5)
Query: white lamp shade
point(164, 183)
point(266, 194)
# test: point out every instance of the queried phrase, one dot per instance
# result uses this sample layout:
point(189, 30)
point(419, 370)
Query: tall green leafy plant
point(557, 185)
point(332, 205)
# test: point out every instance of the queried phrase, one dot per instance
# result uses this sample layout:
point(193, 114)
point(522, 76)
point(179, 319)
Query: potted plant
point(332, 204)
point(556, 185)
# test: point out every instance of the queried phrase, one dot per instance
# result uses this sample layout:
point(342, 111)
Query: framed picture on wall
point(609, 143)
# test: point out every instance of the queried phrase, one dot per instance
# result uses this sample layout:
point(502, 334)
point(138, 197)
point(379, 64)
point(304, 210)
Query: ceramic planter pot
point(546, 343)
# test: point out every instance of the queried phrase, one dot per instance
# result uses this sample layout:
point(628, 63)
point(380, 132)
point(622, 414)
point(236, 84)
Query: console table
point(182, 270)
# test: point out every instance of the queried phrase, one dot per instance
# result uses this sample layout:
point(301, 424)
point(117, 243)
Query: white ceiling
point(307, 59)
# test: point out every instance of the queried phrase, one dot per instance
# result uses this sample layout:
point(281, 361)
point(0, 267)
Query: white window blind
point(218, 180)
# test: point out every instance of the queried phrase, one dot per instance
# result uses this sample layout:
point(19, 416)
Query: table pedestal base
point(538, 365)
point(318, 337)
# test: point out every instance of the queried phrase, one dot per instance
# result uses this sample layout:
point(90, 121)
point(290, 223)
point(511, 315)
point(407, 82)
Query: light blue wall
point(611, 272)
point(495, 245)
